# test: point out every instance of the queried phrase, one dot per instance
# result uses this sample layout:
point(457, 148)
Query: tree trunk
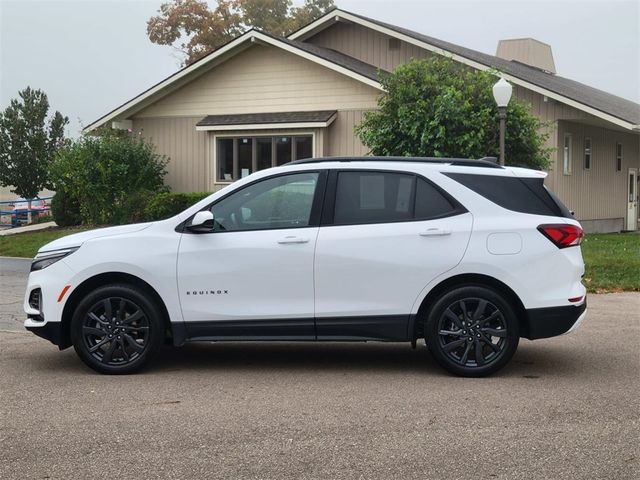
point(29, 212)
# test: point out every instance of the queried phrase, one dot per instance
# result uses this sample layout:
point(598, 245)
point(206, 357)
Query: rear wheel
point(116, 329)
point(472, 331)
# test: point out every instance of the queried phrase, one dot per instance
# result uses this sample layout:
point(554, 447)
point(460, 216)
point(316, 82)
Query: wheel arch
point(100, 280)
point(468, 279)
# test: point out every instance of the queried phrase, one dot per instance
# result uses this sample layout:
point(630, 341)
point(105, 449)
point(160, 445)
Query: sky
point(90, 56)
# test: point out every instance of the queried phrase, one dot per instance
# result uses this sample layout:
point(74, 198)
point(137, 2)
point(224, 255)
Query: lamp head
point(502, 92)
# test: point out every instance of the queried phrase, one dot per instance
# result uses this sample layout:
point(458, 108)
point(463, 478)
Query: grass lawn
point(27, 244)
point(612, 260)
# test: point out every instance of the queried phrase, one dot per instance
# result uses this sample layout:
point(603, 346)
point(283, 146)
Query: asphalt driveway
point(564, 408)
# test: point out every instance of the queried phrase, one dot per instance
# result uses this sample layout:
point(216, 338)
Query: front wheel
point(472, 331)
point(116, 329)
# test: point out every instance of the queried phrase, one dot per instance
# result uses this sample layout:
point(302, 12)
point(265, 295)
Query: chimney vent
point(528, 51)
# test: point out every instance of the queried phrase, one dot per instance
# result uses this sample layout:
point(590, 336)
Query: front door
point(252, 276)
point(632, 199)
point(389, 236)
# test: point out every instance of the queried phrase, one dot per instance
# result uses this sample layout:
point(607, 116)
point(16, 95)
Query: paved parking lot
point(564, 408)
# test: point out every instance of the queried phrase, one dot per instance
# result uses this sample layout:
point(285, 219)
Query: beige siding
point(597, 193)
point(366, 45)
point(186, 148)
point(528, 51)
point(342, 139)
point(601, 191)
point(264, 79)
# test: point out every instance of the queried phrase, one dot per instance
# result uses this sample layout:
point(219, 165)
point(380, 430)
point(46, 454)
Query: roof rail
point(490, 159)
point(486, 162)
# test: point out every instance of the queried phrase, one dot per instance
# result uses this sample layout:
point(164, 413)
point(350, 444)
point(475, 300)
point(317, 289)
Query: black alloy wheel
point(472, 331)
point(116, 329)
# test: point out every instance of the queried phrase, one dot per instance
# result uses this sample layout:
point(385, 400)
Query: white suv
point(466, 254)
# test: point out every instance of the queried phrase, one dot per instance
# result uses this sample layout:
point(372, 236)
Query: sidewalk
point(28, 228)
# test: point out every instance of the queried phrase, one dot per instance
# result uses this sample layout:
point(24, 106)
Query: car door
point(384, 237)
point(252, 275)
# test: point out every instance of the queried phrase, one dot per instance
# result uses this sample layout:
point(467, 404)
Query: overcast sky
point(90, 56)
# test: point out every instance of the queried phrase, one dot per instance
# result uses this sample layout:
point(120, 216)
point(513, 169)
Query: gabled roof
point(604, 105)
point(331, 59)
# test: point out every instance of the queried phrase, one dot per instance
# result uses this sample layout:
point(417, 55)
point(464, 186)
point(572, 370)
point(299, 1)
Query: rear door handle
point(292, 239)
point(435, 232)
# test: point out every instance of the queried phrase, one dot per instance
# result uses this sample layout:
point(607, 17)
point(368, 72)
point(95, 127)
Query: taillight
point(563, 235)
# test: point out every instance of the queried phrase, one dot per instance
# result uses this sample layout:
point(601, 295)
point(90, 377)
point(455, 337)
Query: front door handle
point(292, 239)
point(435, 232)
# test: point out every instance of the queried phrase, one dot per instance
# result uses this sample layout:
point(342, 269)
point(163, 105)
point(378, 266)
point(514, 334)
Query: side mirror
point(202, 222)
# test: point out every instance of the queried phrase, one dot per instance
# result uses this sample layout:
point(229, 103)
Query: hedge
point(166, 205)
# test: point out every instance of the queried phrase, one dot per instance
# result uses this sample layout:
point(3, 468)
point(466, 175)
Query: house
point(261, 101)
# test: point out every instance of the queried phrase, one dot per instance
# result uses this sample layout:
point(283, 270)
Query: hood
point(77, 239)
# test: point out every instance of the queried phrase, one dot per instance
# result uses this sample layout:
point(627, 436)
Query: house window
point(567, 154)
point(239, 157)
point(587, 153)
point(618, 156)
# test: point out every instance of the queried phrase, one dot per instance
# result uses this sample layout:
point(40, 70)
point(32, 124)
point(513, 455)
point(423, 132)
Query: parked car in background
point(20, 210)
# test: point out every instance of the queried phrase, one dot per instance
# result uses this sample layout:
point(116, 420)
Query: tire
point(117, 329)
point(478, 346)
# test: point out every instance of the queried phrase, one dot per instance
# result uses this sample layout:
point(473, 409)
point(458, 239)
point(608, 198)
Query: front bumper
point(552, 321)
point(51, 331)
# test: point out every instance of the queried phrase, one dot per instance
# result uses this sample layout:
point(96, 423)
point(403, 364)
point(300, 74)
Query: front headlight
point(44, 259)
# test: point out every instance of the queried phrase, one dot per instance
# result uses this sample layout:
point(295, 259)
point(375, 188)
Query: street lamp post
point(502, 94)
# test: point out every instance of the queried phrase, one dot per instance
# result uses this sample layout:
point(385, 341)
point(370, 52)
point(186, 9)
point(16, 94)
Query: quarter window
point(277, 202)
point(239, 157)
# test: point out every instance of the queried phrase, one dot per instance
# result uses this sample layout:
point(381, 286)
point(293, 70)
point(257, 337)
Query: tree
point(28, 141)
point(438, 107)
point(202, 29)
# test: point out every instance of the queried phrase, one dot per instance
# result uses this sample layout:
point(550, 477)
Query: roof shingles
point(592, 97)
point(267, 118)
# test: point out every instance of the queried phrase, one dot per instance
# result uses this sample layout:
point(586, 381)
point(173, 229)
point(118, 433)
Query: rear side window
point(525, 195)
point(373, 197)
point(382, 197)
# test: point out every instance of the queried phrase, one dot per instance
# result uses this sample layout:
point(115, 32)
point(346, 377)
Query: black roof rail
point(486, 162)
point(490, 159)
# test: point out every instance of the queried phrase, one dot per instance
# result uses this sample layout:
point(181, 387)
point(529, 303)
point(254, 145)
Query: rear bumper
point(552, 321)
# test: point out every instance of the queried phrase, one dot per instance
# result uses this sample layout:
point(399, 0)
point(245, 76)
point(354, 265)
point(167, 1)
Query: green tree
point(111, 177)
point(438, 107)
point(28, 141)
point(195, 29)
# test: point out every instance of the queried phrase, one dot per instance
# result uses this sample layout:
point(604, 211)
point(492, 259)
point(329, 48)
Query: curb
point(15, 258)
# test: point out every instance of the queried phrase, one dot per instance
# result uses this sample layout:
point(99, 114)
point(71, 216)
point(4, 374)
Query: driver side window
point(278, 202)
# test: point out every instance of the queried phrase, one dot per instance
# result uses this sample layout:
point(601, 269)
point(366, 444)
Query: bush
point(110, 176)
point(65, 210)
point(166, 205)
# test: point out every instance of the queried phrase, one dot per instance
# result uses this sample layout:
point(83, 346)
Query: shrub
point(65, 210)
point(110, 176)
point(166, 205)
